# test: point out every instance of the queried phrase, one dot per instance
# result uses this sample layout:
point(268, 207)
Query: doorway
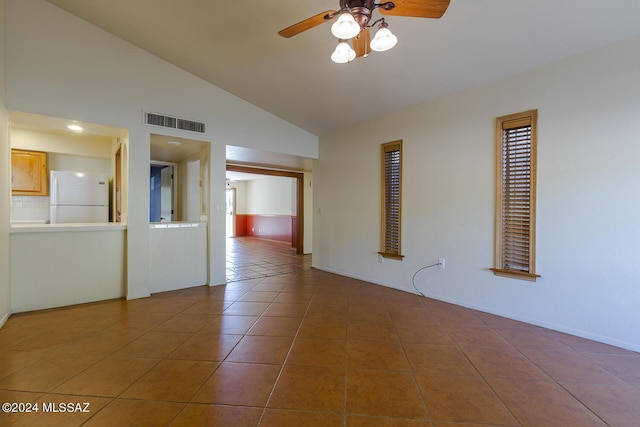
point(161, 206)
point(231, 213)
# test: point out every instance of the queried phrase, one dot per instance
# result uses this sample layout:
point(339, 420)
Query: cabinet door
point(28, 173)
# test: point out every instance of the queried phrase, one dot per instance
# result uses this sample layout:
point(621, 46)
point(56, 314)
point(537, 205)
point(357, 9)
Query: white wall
point(5, 160)
point(94, 77)
point(273, 195)
point(588, 197)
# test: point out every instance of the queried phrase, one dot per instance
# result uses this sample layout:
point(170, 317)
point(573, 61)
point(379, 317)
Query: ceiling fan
point(354, 22)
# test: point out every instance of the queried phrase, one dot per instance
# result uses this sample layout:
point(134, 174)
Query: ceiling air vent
point(173, 122)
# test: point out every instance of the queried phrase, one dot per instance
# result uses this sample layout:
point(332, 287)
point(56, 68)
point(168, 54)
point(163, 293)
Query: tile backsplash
point(29, 208)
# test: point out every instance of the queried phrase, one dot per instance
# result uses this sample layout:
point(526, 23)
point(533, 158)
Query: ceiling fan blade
point(418, 8)
point(361, 43)
point(308, 23)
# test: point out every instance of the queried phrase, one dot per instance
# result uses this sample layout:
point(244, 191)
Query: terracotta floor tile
point(155, 344)
point(109, 377)
point(483, 336)
point(382, 355)
point(171, 380)
point(208, 306)
point(402, 316)
point(364, 421)
point(242, 308)
point(309, 388)
point(383, 393)
point(420, 333)
point(259, 296)
point(536, 339)
point(376, 313)
point(503, 363)
point(217, 415)
point(214, 347)
point(276, 326)
point(616, 405)
point(327, 311)
point(583, 345)
point(323, 328)
point(103, 343)
point(463, 399)
point(12, 361)
point(438, 360)
point(318, 352)
point(543, 403)
point(571, 367)
point(286, 310)
point(142, 413)
point(47, 373)
point(261, 349)
point(239, 384)
point(185, 323)
point(232, 325)
point(627, 368)
point(281, 418)
point(372, 330)
point(294, 297)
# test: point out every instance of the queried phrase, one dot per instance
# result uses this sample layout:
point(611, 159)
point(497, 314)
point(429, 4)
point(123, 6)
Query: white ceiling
point(235, 46)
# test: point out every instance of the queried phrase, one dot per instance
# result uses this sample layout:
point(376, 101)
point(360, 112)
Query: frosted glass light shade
point(345, 27)
point(384, 40)
point(343, 53)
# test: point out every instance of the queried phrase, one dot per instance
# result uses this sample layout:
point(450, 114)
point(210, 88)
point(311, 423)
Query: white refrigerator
point(77, 197)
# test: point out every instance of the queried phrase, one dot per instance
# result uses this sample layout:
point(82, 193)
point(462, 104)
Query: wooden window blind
point(515, 195)
point(391, 199)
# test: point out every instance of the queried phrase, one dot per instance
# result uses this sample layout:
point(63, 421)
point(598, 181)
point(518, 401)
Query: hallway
point(252, 258)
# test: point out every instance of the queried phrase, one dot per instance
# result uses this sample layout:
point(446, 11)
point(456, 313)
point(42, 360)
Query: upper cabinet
point(28, 173)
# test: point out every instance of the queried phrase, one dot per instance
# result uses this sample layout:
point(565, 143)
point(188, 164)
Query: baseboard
point(4, 319)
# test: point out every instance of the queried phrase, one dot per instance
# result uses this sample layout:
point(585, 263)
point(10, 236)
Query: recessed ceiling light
point(75, 128)
point(176, 143)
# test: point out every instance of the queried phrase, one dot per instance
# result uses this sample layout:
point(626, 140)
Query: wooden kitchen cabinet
point(29, 173)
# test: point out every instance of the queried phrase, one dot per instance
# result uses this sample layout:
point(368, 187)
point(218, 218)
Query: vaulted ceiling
point(235, 45)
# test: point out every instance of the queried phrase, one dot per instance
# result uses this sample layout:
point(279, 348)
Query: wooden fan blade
point(361, 43)
point(308, 23)
point(418, 8)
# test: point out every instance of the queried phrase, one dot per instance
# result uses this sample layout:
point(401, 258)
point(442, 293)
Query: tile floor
point(251, 258)
point(306, 349)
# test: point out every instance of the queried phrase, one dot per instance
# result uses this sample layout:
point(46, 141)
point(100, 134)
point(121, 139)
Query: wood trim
point(515, 274)
point(512, 121)
point(299, 176)
point(388, 147)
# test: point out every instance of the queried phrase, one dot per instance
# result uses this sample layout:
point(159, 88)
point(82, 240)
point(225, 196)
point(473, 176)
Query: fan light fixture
point(343, 53)
point(384, 39)
point(345, 27)
point(354, 22)
point(349, 27)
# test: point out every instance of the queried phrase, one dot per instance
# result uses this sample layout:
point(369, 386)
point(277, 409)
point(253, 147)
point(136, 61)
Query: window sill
point(515, 274)
point(391, 256)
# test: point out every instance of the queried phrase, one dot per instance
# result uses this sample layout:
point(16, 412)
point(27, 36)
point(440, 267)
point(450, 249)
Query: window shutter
point(516, 197)
point(392, 187)
point(515, 194)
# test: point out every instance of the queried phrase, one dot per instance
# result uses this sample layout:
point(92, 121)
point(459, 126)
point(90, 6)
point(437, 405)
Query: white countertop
point(177, 224)
point(35, 227)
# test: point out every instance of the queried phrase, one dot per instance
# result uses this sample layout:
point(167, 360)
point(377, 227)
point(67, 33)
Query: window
point(391, 199)
point(516, 195)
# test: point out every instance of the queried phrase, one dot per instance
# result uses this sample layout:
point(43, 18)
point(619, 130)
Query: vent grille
point(173, 123)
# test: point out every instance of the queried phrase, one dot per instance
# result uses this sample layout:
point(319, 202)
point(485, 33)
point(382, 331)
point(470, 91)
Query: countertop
point(35, 227)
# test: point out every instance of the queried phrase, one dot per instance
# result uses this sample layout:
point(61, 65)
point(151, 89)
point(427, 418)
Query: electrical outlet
point(440, 263)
